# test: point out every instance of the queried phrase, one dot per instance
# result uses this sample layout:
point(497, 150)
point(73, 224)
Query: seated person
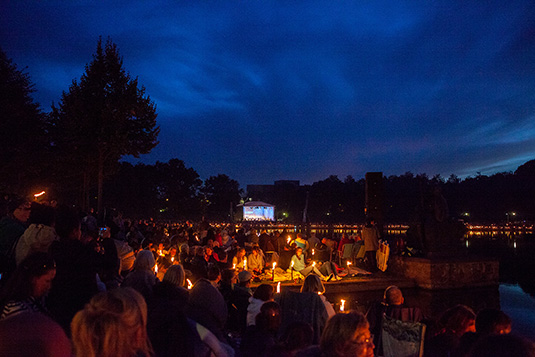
point(300, 265)
point(391, 306)
point(255, 261)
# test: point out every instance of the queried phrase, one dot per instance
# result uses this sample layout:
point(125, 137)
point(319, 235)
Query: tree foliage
point(221, 195)
point(103, 117)
point(23, 141)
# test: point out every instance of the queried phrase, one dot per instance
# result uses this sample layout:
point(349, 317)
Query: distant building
point(287, 195)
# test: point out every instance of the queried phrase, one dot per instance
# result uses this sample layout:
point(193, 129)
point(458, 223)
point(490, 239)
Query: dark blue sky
point(269, 90)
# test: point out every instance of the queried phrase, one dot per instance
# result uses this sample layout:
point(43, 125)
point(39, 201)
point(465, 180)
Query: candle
point(292, 270)
point(245, 264)
point(190, 284)
point(313, 264)
point(273, 272)
point(313, 251)
point(160, 253)
point(288, 240)
point(348, 264)
point(342, 305)
point(233, 266)
point(279, 287)
point(172, 259)
point(156, 269)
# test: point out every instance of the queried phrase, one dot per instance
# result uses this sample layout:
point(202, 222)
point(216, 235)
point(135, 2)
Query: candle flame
point(190, 284)
point(279, 287)
point(288, 240)
point(274, 265)
point(312, 251)
point(233, 266)
point(156, 268)
point(313, 264)
point(172, 259)
point(348, 264)
point(342, 304)
point(245, 264)
point(292, 264)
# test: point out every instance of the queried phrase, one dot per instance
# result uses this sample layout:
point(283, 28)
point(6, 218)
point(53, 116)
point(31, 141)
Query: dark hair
point(299, 335)
point(340, 330)
point(15, 203)
point(227, 275)
point(213, 271)
point(263, 292)
point(490, 321)
point(19, 286)
point(457, 318)
point(67, 221)
point(42, 214)
point(269, 317)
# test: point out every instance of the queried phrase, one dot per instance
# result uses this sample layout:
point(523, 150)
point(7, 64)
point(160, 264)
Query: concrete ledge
point(444, 273)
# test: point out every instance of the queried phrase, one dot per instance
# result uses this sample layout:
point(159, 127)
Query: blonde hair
point(114, 323)
point(175, 275)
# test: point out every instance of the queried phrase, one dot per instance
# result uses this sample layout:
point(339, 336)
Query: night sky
point(300, 90)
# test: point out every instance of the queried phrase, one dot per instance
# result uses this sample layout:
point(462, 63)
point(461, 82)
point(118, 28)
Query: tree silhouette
point(221, 194)
point(102, 118)
point(23, 143)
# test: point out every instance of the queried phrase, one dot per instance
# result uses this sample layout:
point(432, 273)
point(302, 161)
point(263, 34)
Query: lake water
point(515, 295)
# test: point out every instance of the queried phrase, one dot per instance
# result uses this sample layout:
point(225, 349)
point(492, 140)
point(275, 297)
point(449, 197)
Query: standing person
point(12, 226)
point(76, 266)
point(370, 235)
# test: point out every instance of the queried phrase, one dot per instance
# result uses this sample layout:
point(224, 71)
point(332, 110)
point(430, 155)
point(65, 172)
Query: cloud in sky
point(263, 91)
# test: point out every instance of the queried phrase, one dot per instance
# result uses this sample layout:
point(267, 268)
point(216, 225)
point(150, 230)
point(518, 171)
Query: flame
point(156, 268)
point(292, 264)
point(190, 284)
point(274, 265)
point(342, 304)
point(278, 287)
point(39, 194)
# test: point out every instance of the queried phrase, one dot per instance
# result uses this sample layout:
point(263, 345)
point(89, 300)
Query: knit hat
point(244, 276)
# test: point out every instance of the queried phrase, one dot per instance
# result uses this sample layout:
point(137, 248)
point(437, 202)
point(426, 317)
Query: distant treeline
point(172, 191)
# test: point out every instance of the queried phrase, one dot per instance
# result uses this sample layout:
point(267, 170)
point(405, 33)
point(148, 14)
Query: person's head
point(175, 275)
point(312, 284)
point(208, 250)
point(459, 320)
point(229, 276)
point(114, 323)
point(172, 251)
point(240, 253)
point(68, 224)
point(347, 335)
point(184, 248)
point(144, 260)
point(269, 317)
point(19, 208)
point(244, 278)
point(213, 272)
point(507, 345)
point(393, 296)
point(298, 336)
point(255, 250)
point(263, 292)
point(298, 251)
point(33, 277)
point(493, 321)
point(42, 214)
point(30, 334)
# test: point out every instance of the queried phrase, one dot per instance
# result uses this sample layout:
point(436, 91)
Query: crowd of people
point(72, 285)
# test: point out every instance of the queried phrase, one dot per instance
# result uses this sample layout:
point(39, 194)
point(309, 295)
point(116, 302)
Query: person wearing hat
point(12, 226)
point(239, 302)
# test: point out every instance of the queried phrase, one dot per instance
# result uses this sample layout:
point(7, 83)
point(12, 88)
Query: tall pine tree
point(23, 143)
point(102, 118)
